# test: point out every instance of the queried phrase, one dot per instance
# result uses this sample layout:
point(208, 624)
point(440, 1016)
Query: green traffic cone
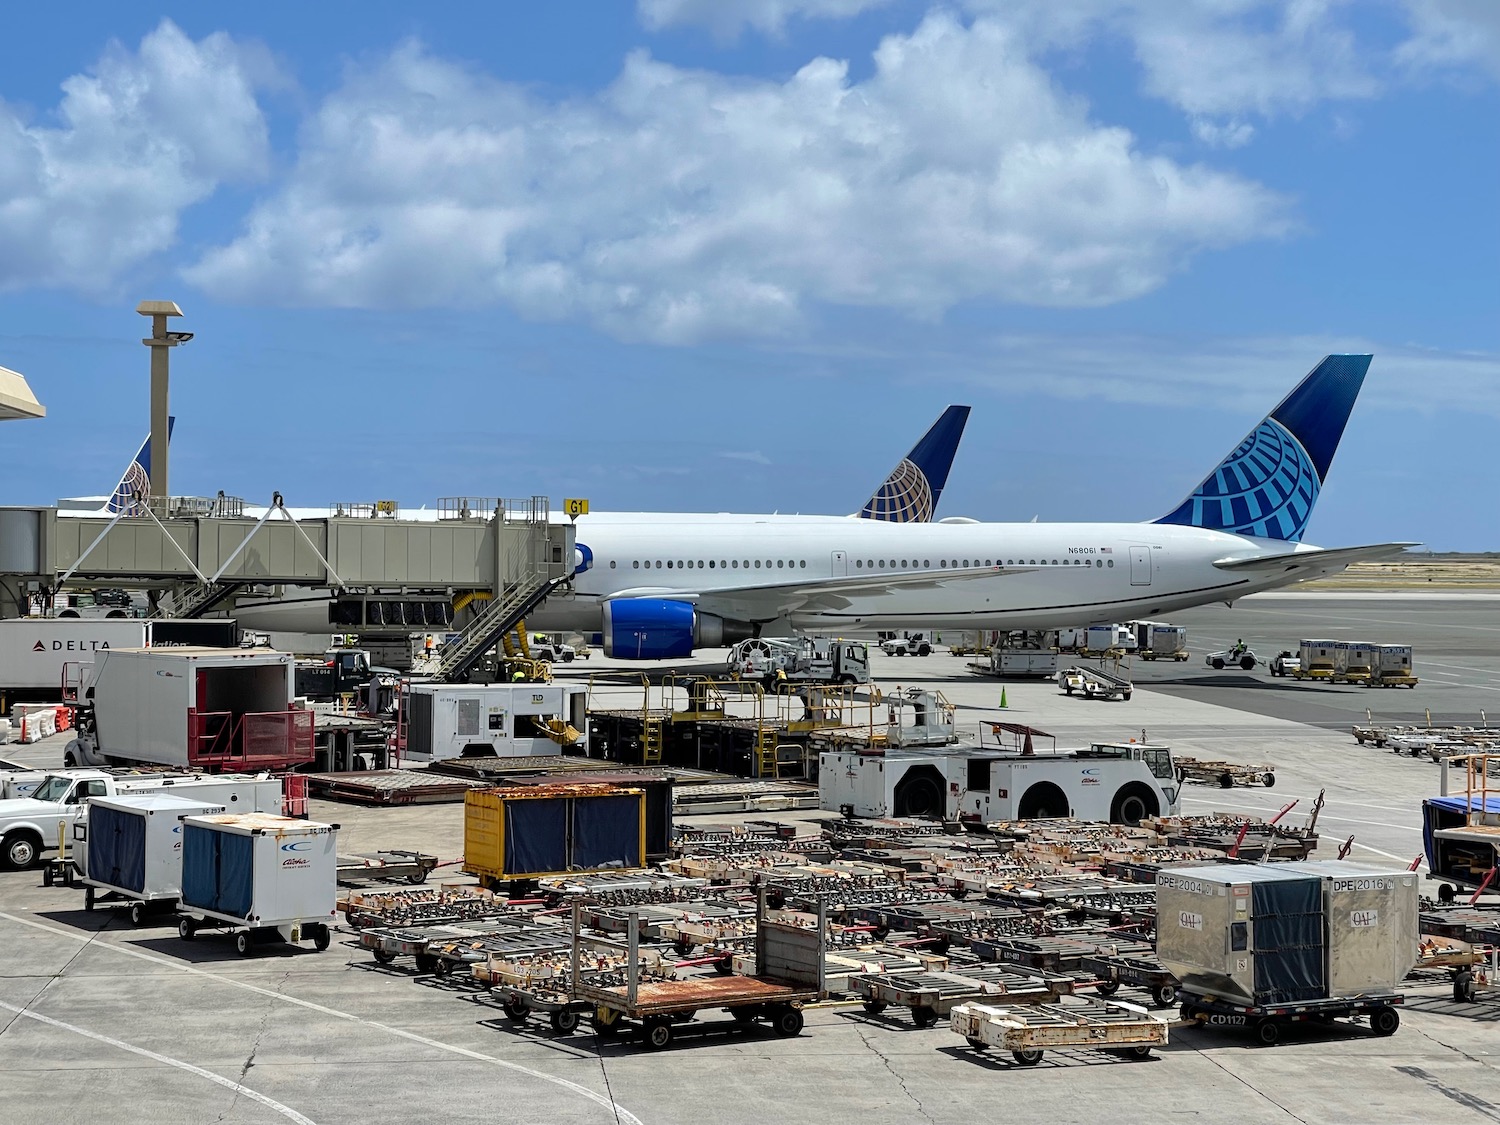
point(1003, 704)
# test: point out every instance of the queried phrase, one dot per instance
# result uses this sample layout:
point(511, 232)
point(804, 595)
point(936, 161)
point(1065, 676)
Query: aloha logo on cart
point(1090, 777)
point(296, 860)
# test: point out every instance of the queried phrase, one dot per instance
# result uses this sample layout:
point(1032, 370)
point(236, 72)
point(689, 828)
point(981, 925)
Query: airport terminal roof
point(16, 399)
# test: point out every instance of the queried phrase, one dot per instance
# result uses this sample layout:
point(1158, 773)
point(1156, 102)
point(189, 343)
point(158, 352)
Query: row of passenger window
point(731, 564)
point(860, 564)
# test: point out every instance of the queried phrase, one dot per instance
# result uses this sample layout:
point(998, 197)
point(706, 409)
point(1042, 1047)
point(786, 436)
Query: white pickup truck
point(29, 825)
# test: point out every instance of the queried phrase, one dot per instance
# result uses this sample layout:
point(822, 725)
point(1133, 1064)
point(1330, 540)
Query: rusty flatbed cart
point(789, 963)
point(931, 996)
point(1226, 775)
point(1027, 1032)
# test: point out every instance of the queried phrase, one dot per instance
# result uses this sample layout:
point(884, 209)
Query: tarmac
point(99, 1020)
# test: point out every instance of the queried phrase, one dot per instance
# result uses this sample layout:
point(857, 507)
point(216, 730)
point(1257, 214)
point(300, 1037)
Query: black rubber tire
point(186, 930)
point(1107, 987)
point(1133, 803)
point(416, 878)
point(1218, 664)
point(515, 1011)
point(874, 1007)
point(322, 939)
point(787, 1022)
point(1189, 1010)
point(1385, 1021)
point(1226, 781)
point(1447, 893)
point(1139, 1051)
point(47, 877)
point(137, 913)
point(724, 966)
point(88, 898)
point(1268, 780)
point(1068, 689)
point(382, 956)
point(441, 966)
point(1463, 988)
point(749, 1014)
point(924, 650)
point(1028, 1057)
point(426, 962)
point(564, 1021)
point(20, 851)
point(656, 1033)
point(1126, 697)
point(923, 1016)
point(1164, 995)
point(1247, 663)
point(1268, 1033)
point(242, 943)
point(977, 1043)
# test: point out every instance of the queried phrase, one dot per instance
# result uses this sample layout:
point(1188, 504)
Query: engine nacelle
point(661, 629)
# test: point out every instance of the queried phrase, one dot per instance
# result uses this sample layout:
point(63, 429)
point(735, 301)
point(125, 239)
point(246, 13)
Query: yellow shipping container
point(527, 832)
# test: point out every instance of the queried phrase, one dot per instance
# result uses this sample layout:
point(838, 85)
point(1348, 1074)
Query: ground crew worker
point(427, 644)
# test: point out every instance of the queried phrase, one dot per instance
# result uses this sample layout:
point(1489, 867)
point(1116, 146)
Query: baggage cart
point(932, 996)
point(1093, 683)
point(1226, 775)
point(133, 852)
point(260, 877)
point(1139, 970)
point(386, 866)
point(1028, 1032)
point(1266, 1022)
point(790, 967)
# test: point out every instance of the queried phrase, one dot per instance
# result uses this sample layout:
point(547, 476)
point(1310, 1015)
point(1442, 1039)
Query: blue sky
point(735, 255)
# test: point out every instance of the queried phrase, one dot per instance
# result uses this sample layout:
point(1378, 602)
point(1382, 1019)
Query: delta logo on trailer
point(69, 646)
point(295, 860)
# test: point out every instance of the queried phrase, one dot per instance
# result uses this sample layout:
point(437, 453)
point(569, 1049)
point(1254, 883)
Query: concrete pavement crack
point(255, 1046)
point(1258, 1092)
point(900, 1081)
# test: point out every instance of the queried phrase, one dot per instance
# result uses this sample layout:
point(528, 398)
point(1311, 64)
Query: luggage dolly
point(563, 1011)
point(1266, 1021)
point(1141, 972)
point(1026, 1032)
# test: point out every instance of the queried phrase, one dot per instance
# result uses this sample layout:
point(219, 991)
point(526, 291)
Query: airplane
point(658, 585)
point(910, 492)
point(130, 494)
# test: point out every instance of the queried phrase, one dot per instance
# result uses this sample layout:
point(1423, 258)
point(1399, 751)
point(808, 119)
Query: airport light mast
point(159, 341)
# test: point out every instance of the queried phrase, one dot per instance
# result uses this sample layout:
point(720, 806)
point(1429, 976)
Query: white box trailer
point(264, 878)
point(1121, 783)
point(134, 851)
point(213, 709)
point(441, 721)
point(35, 652)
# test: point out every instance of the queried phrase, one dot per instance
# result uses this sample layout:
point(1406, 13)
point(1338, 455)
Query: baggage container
point(134, 849)
point(1319, 660)
point(262, 877)
point(1372, 916)
point(1253, 935)
point(1393, 666)
point(1359, 662)
point(526, 832)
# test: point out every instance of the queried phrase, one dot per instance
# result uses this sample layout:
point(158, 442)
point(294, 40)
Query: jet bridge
point(201, 561)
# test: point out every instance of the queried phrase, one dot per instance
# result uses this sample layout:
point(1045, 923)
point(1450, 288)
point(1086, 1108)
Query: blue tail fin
point(910, 494)
point(134, 488)
point(1267, 487)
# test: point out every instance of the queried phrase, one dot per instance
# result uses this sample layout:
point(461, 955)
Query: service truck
point(30, 824)
point(1123, 783)
point(222, 710)
point(37, 652)
point(803, 660)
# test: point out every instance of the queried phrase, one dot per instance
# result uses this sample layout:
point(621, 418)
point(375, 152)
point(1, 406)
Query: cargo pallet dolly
point(1144, 972)
point(1226, 775)
point(790, 964)
point(932, 996)
point(413, 867)
point(1098, 1025)
point(1267, 1021)
point(563, 1010)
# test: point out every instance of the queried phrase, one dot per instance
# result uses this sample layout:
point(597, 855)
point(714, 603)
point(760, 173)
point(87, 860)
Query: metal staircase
point(766, 764)
point(495, 623)
point(653, 738)
point(197, 599)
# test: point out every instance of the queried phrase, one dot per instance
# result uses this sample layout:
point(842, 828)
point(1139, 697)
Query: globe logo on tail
point(1266, 487)
point(905, 497)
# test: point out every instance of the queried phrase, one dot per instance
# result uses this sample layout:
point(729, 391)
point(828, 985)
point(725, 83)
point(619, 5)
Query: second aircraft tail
point(910, 494)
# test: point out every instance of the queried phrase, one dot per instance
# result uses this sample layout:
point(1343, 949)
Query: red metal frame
point(252, 741)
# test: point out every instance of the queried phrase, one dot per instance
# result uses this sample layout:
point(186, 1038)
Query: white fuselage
point(1074, 574)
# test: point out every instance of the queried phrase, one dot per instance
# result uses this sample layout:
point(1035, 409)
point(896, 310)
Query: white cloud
point(143, 136)
point(678, 205)
point(1226, 134)
point(1453, 35)
point(727, 18)
point(753, 456)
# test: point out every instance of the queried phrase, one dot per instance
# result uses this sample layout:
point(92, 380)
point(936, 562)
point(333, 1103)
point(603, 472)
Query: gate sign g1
point(575, 507)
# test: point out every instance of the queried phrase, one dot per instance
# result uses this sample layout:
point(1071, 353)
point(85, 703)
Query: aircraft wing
point(1312, 564)
point(766, 601)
